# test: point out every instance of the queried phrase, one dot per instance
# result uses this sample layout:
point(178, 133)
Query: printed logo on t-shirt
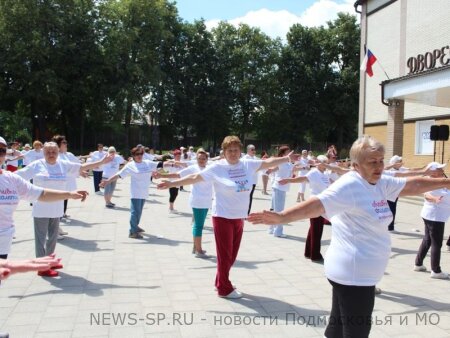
point(382, 209)
point(241, 186)
point(8, 196)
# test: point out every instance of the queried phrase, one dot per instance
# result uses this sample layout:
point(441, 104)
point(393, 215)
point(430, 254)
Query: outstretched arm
point(311, 208)
point(298, 179)
point(190, 179)
point(276, 161)
point(419, 185)
point(50, 195)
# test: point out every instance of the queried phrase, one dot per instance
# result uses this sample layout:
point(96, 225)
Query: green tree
point(133, 33)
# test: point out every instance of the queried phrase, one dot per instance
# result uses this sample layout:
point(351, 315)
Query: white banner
point(424, 146)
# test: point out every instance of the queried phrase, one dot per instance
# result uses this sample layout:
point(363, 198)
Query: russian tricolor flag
point(367, 63)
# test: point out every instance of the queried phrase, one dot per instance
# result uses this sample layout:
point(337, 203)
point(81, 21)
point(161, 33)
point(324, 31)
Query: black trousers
point(351, 311)
point(97, 179)
point(434, 234)
point(251, 199)
point(173, 194)
point(393, 207)
point(3, 256)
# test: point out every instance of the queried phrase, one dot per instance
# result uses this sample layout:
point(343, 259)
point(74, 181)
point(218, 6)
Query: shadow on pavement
point(420, 304)
point(286, 313)
point(82, 245)
point(69, 284)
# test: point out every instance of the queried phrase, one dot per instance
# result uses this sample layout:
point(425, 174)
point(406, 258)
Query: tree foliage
point(97, 68)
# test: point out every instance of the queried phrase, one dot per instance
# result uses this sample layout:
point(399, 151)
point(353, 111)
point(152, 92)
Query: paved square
point(113, 286)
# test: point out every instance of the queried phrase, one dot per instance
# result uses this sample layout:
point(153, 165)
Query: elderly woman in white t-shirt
point(200, 199)
point(140, 171)
point(109, 170)
point(319, 179)
point(435, 212)
point(52, 173)
point(232, 182)
point(284, 170)
point(360, 244)
point(12, 189)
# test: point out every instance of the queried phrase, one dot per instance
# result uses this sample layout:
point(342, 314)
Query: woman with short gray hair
point(360, 244)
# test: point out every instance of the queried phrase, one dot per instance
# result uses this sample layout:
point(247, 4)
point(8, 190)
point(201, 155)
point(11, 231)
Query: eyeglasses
point(252, 149)
point(2, 150)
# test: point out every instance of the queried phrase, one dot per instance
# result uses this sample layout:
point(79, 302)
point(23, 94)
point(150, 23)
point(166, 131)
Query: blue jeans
point(137, 204)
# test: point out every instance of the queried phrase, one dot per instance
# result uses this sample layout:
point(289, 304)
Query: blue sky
point(230, 9)
point(273, 17)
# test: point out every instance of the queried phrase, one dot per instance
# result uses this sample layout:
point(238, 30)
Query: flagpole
point(379, 63)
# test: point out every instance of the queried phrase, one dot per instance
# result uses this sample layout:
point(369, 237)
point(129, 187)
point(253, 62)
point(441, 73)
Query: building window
point(424, 146)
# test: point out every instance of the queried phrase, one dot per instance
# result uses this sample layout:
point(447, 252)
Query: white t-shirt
point(250, 157)
point(438, 212)
point(232, 185)
point(50, 176)
point(304, 165)
point(284, 171)
point(13, 154)
point(140, 177)
point(32, 156)
point(192, 155)
point(97, 156)
point(71, 181)
point(12, 189)
point(360, 243)
point(149, 157)
point(318, 181)
point(201, 193)
point(111, 168)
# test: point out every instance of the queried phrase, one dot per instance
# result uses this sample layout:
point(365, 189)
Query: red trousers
point(228, 235)
point(312, 246)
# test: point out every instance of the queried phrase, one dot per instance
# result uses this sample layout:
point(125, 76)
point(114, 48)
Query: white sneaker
point(99, 193)
point(62, 232)
point(60, 238)
point(419, 268)
point(172, 211)
point(439, 275)
point(199, 254)
point(235, 294)
point(280, 236)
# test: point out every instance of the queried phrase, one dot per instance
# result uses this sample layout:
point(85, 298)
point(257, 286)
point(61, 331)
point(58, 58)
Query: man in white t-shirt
point(51, 173)
point(360, 244)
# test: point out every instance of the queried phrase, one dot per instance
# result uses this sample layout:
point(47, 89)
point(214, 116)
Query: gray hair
point(322, 159)
point(50, 144)
point(362, 144)
point(111, 149)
